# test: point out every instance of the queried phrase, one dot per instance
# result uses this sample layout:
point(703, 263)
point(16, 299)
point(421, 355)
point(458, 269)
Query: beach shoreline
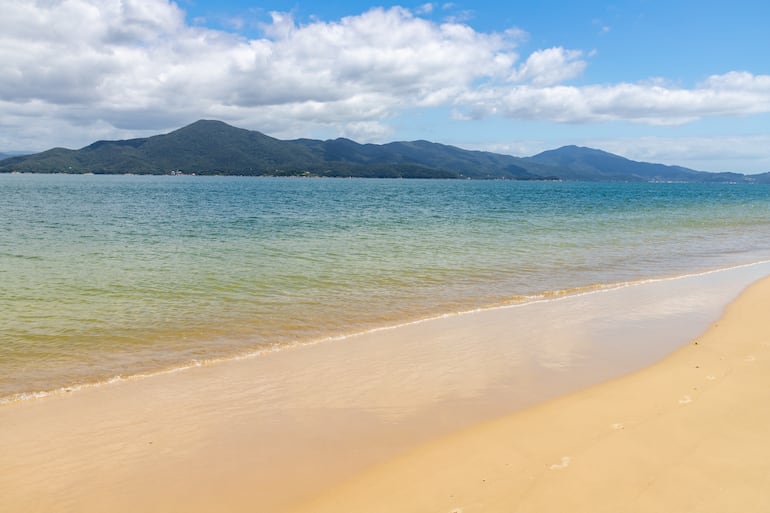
point(277, 431)
point(518, 302)
point(685, 434)
point(180, 272)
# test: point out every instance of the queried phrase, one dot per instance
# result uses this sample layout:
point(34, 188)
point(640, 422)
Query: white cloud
point(133, 67)
point(365, 131)
point(122, 61)
point(732, 94)
point(425, 8)
point(550, 67)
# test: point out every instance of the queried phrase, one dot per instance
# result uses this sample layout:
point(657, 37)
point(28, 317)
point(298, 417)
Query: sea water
point(108, 277)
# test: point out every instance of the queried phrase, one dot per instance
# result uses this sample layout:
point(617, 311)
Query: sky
point(676, 82)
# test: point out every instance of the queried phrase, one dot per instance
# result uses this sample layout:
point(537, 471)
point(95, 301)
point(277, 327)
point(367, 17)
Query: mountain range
point(215, 148)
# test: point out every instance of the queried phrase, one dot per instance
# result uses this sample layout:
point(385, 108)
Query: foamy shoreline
point(276, 431)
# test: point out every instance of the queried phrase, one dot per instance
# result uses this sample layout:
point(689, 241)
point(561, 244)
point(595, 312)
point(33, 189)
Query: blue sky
point(684, 82)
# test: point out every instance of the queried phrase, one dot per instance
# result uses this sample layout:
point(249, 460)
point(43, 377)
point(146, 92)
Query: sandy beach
point(686, 434)
point(379, 422)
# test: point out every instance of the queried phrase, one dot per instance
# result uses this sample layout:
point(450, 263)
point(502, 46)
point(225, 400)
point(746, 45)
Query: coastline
point(218, 268)
point(518, 302)
point(273, 432)
point(685, 434)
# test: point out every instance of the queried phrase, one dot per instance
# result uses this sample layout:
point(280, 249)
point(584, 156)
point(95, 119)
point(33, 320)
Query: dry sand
point(365, 424)
point(689, 434)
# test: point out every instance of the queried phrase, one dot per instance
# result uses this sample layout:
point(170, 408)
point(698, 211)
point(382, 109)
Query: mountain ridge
point(215, 147)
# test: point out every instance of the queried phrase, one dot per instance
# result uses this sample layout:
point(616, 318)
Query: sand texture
point(688, 434)
point(401, 420)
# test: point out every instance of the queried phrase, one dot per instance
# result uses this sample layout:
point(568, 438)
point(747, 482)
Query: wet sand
point(358, 419)
point(687, 434)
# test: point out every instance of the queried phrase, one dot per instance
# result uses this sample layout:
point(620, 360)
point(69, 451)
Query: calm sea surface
point(113, 276)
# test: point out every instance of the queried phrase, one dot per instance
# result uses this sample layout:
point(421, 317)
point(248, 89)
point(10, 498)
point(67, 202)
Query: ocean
point(107, 277)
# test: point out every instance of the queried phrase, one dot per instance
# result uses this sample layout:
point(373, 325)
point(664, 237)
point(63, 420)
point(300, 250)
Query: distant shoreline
point(299, 175)
point(320, 176)
point(214, 147)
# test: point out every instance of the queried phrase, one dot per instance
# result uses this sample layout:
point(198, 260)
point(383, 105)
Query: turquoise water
point(105, 276)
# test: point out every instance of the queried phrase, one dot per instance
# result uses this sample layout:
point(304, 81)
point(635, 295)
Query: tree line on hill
point(215, 148)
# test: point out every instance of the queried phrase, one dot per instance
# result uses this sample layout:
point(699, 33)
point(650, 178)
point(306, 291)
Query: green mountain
point(214, 147)
point(205, 147)
point(579, 163)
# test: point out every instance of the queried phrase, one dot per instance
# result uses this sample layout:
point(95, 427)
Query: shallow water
point(105, 276)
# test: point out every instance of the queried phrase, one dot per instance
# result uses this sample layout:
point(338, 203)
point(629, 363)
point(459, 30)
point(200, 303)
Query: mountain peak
point(206, 124)
point(572, 150)
point(214, 147)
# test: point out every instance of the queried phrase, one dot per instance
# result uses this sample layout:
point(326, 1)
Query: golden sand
point(366, 424)
point(689, 434)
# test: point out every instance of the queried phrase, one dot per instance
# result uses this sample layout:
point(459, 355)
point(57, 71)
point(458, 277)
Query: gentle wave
point(109, 276)
point(521, 301)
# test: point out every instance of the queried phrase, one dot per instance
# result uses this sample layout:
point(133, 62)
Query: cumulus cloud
point(652, 103)
point(550, 67)
point(132, 67)
point(119, 60)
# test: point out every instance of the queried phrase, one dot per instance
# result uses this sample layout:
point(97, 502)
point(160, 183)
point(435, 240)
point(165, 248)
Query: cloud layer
point(731, 94)
point(113, 67)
